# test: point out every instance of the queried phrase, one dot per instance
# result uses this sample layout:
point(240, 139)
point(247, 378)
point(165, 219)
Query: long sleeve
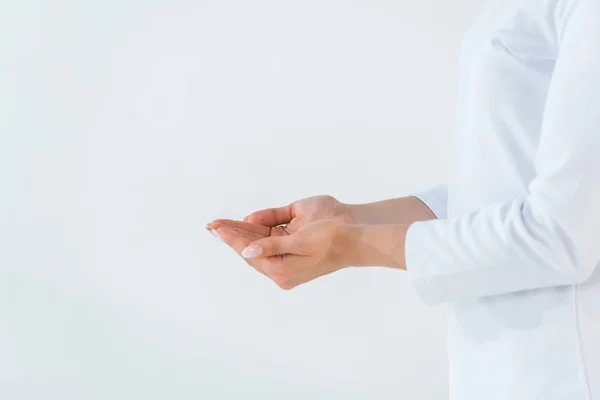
point(551, 236)
point(436, 198)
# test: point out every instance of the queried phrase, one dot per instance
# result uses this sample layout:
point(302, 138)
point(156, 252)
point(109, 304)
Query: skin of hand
point(288, 219)
point(313, 258)
point(289, 260)
point(316, 249)
point(275, 222)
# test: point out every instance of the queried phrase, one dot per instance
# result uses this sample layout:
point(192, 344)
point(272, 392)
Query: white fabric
point(436, 198)
point(515, 257)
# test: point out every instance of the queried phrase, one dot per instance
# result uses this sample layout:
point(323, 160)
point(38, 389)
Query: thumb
point(271, 216)
point(269, 247)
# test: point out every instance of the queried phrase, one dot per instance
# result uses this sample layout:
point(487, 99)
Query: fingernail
point(216, 233)
point(254, 250)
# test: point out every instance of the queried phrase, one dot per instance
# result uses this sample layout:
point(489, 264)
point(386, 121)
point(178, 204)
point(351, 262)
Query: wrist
point(357, 213)
point(348, 212)
point(371, 245)
point(346, 238)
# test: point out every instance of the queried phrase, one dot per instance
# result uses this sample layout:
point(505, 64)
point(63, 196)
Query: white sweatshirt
point(516, 244)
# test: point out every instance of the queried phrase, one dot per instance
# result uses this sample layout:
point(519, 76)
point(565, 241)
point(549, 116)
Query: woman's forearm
point(372, 245)
point(403, 210)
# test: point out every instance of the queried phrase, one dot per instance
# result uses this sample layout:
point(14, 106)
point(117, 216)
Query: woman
point(511, 243)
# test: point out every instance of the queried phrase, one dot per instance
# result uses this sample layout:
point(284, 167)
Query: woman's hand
point(310, 238)
point(288, 219)
point(312, 251)
point(316, 249)
point(303, 212)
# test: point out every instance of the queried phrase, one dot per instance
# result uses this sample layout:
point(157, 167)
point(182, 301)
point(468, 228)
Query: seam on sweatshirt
point(578, 332)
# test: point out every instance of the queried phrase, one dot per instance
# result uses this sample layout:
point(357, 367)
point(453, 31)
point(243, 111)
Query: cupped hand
point(284, 221)
point(314, 250)
point(288, 219)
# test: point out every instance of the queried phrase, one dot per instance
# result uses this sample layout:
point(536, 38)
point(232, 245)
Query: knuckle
point(329, 198)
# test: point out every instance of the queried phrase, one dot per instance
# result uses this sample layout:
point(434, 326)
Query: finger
point(271, 246)
point(250, 227)
point(271, 216)
point(250, 236)
point(237, 242)
point(261, 230)
point(233, 239)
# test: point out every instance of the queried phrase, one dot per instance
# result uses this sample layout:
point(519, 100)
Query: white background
point(125, 126)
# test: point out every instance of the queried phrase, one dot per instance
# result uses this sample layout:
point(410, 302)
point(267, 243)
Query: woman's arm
point(547, 238)
point(551, 236)
point(420, 206)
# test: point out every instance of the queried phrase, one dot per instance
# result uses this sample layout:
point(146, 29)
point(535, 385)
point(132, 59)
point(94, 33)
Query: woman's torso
point(542, 344)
